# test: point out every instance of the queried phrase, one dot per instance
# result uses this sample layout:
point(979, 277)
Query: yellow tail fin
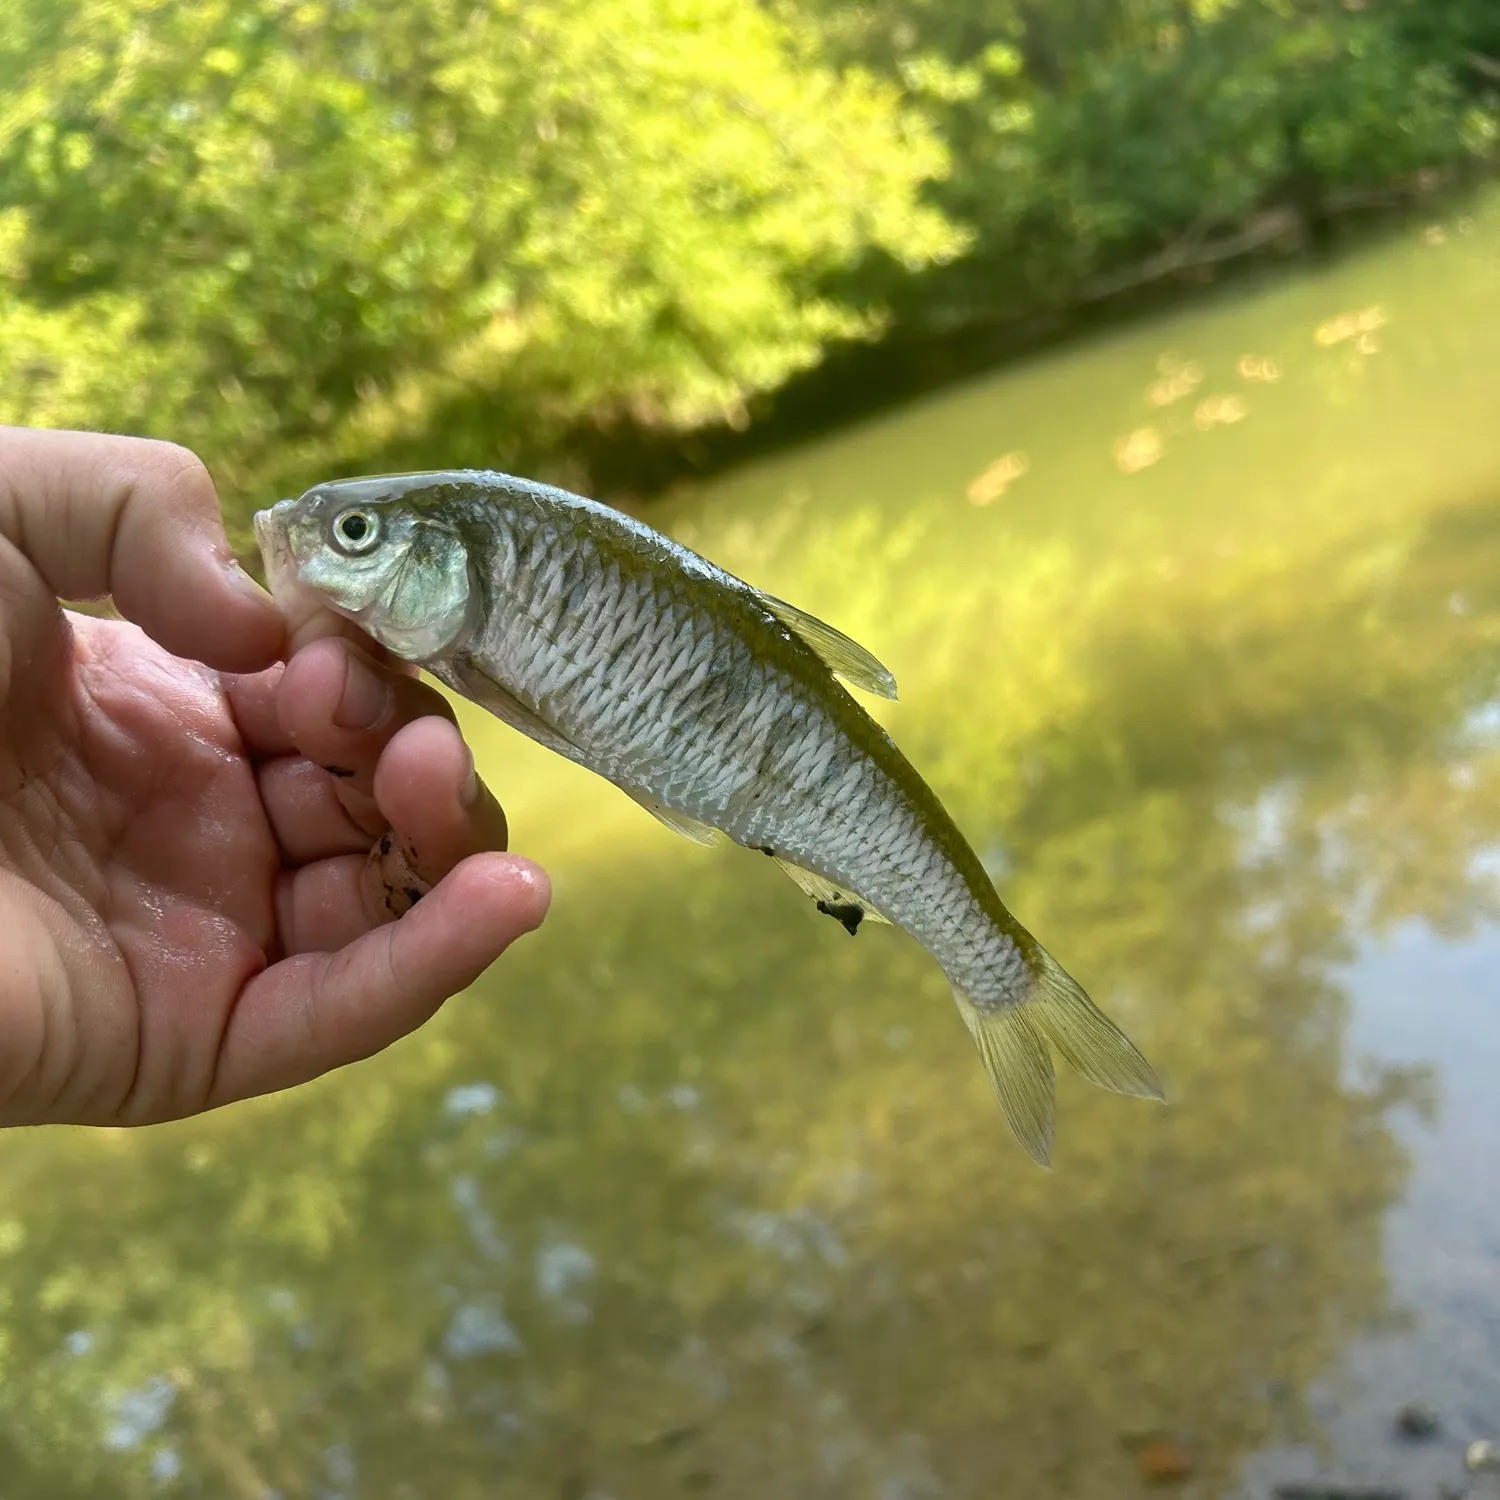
point(1013, 1043)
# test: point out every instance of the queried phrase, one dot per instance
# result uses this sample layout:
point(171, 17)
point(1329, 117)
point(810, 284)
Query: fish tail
point(1014, 1040)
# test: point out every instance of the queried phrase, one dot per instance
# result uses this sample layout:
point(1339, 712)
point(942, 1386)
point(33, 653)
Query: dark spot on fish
point(387, 843)
point(412, 894)
point(340, 771)
point(767, 849)
point(844, 911)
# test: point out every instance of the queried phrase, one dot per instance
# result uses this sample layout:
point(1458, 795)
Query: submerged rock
point(1417, 1423)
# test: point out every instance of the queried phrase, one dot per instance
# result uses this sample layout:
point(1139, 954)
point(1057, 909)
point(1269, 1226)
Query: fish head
point(379, 551)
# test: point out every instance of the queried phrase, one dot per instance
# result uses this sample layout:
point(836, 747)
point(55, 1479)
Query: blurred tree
point(1095, 137)
point(287, 233)
point(311, 236)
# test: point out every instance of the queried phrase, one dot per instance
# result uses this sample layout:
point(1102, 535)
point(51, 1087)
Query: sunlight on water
point(1197, 631)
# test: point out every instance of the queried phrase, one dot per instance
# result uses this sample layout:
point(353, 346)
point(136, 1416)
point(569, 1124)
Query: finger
point(308, 620)
point(93, 514)
point(307, 817)
point(254, 700)
point(429, 792)
point(439, 813)
point(341, 707)
point(317, 1011)
point(424, 785)
point(329, 904)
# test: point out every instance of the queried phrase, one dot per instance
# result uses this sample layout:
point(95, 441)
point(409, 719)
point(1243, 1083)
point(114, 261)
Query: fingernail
point(366, 697)
point(468, 791)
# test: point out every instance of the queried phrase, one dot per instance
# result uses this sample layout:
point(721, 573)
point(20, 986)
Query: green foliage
point(1089, 134)
point(287, 232)
point(304, 236)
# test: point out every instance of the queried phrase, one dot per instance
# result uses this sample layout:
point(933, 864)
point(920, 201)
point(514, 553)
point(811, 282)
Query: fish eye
point(356, 530)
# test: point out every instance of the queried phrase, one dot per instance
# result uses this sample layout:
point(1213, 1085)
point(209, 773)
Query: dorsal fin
point(843, 657)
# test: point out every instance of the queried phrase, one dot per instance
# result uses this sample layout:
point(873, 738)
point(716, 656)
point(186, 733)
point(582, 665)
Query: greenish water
point(695, 1196)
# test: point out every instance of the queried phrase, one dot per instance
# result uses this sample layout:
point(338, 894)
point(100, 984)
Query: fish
point(723, 710)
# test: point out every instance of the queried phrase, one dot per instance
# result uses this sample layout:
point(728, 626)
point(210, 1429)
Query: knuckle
point(176, 471)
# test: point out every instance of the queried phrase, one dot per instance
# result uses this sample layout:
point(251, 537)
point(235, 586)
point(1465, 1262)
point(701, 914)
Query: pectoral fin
point(833, 900)
point(465, 676)
point(843, 657)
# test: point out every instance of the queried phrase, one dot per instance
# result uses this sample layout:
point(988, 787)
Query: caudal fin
point(1013, 1043)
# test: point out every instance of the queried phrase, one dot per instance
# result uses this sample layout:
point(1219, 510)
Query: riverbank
point(635, 463)
point(619, 245)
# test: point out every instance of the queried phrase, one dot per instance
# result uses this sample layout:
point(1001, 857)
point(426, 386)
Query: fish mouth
point(275, 542)
point(267, 522)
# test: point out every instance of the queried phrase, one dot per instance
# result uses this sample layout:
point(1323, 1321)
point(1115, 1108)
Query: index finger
point(88, 514)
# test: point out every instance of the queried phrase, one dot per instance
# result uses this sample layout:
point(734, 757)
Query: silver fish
point(712, 704)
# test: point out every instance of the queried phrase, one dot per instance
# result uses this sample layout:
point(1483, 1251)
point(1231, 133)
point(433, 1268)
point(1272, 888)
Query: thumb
point(89, 514)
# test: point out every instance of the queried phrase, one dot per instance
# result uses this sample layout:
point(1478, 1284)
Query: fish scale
point(714, 705)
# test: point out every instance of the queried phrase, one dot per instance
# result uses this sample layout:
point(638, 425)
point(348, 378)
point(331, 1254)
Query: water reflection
point(698, 1196)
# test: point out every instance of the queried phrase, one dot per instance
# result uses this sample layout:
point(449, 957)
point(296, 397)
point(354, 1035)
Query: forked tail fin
point(1013, 1042)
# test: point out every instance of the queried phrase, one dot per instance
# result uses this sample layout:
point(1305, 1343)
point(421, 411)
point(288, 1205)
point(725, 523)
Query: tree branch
point(1485, 66)
point(1190, 253)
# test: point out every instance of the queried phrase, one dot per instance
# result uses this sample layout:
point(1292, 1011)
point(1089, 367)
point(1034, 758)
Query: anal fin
point(832, 900)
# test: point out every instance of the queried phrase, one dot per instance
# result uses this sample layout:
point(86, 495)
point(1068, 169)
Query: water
point(692, 1195)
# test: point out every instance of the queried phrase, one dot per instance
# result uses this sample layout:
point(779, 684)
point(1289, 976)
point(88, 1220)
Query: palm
point(147, 860)
point(190, 904)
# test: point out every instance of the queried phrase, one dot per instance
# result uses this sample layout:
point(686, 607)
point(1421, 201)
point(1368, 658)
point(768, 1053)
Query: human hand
point(192, 909)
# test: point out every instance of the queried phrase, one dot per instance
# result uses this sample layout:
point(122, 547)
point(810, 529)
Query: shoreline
point(632, 464)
